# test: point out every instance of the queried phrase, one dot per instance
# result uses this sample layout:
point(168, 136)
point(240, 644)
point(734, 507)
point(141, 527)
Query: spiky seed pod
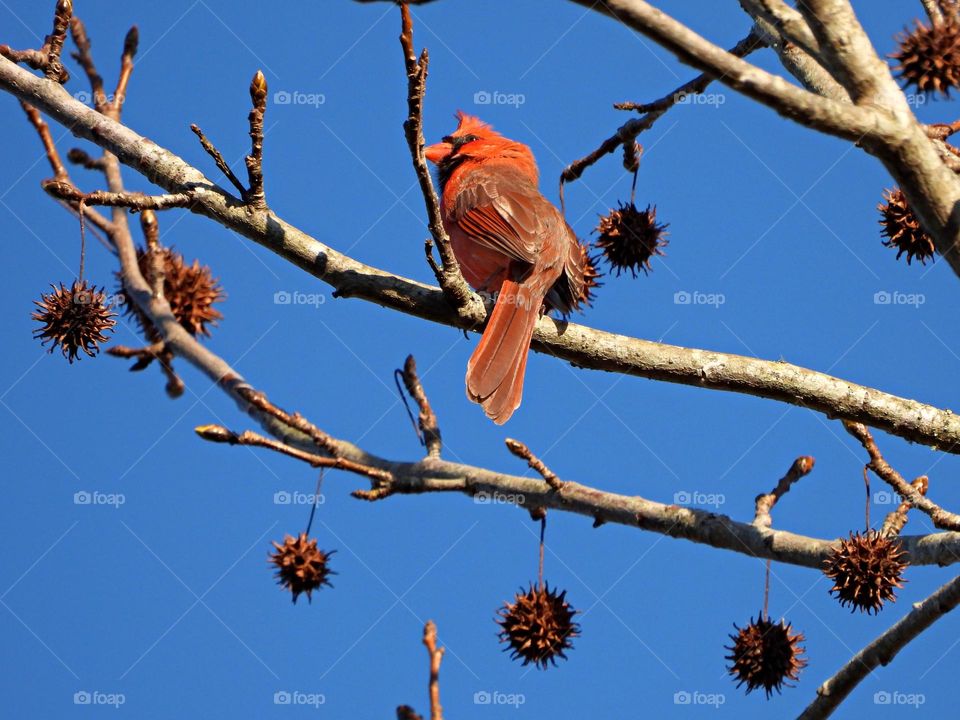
point(928, 57)
point(865, 570)
point(629, 237)
point(902, 228)
point(301, 566)
point(591, 277)
point(538, 626)
point(75, 319)
point(191, 291)
point(766, 655)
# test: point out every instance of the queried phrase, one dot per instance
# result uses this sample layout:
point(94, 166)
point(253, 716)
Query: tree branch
point(880, 120)
point(806, 108)
point(883, 650)
point(941, 518)
point(448, 276)
point(627, 133)
point(577, 344)
point(764, 503)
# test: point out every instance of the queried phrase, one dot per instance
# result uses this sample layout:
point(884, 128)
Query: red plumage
point(511, 241)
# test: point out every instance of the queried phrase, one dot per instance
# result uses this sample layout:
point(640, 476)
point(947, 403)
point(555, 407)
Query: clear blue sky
point(168, 599)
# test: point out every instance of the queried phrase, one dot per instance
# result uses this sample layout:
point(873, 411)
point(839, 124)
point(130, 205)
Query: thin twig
point(436, 656)
point(449, 277)
point(47, 58)
point(144, 358)
point(627, 133)
point(60, 172)
point(524, 453)
point(83, 159)
point(54, 42)
point(212, 151)
point(866, 486)
point(220, 434)
point(764, 503)
point(941, 518)
point(255, 196)
point(156, 274)
point(134, 200)
point(84, 56)
point(895, 521)
point(427, 420)
point(294, 420)
point(130, 44)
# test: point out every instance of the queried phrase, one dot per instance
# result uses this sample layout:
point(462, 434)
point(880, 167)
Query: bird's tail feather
point(496, 368)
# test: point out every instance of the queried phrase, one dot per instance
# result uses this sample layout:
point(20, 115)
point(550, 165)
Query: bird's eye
point(458, 141)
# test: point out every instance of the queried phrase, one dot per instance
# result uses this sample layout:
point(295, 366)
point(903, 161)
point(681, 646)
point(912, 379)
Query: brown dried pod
point(865, 570)
point(74, 319)
point(630, 237)
point(301, 566)
point(191, 291)
point(928, 57)
point(902, 228)
point(538, 626)
point(766, 655)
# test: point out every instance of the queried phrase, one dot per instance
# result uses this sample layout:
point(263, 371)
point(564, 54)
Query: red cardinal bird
point(509, 240)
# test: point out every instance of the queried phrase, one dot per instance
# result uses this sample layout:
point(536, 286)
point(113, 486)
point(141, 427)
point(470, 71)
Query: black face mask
point(450, 163)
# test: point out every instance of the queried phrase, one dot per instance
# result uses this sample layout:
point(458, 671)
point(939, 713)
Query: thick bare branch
point(577, 344)
point(882, 651)
point(880, 120)
point(807, 108)
point(786, 21)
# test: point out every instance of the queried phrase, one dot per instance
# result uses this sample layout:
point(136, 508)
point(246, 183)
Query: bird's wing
point(503, 213)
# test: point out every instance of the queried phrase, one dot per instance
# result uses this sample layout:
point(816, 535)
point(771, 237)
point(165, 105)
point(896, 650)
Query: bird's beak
point(436, 153)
